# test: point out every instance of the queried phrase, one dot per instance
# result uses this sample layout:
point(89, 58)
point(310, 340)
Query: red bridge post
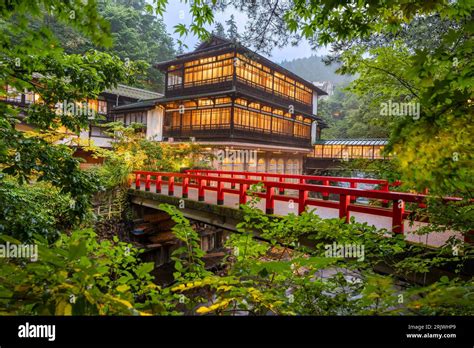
point(220, 193)
point(397, 218)
point(147, 183)
point(185, 187)
point(201, 190)
point(137, 181)
point(344, 201)
point(281, 191)
point(158, 184)
point(171, 186)
point(269, 200)
point(242, 193)
point(326, 194)
point(353, 185)
point(303, 196)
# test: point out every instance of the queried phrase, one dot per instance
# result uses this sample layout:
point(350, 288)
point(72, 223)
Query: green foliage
point(313, 68)
point(32, 60)
point(187, 258)
point(351, 116)
point(131, 150)
point(136, 35)
point(77, 275)
point(38, 208)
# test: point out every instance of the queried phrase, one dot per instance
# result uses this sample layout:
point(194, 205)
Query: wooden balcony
point(224, 132)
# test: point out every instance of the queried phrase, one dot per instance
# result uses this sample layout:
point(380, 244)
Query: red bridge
point(286, 193)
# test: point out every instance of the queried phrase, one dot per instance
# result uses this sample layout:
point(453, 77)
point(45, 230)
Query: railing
point(202, 179)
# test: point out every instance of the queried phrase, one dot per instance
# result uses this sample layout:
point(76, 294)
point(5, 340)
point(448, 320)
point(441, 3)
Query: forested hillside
point(314, 69)
point(136, 36)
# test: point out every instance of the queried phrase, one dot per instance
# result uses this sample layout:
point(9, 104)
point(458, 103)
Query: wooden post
point(344, 201)
point(269, 200)
point(200, 190)
point(171, 186)
point(158, 184)
point(326, 194)
point(220, 193)
point(385, 201)
point(242, 193)
point(469, 237)
point(185, 187)
point(281, 191)
point(353, 185)
point(397, 217)
point(137, 181)
point(147, 183)
point(423, 204)
point(303, 196)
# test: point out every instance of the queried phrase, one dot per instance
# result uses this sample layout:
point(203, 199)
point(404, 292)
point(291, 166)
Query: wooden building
point(102, 106)
point(345, 149)
point(252, 113)
point(331, 154)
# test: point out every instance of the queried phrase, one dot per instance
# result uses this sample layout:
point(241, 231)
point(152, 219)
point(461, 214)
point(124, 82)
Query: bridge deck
point(283, 208)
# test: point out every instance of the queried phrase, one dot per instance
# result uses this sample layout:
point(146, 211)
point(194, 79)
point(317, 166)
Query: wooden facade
point(224, 91)
point(226, 97)
point(101, 107)
point(345, 149)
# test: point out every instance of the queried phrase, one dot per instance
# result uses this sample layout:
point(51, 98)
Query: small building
point(102, 106)
point(331, 154)
point(349, 149)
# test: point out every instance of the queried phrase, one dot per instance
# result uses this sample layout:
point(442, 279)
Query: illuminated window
point(318, 151)
point(296, 166)
point(261, 165)
point(280, 166)
point(208, 70)
point(336, 151)
point(175, 78)
point(378, 151)
point(272, 166)
point(356, 152)
point(102, 107)
point(93, 104)
point(327, 151)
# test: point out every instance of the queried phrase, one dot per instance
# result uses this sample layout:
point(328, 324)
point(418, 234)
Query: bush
point(37, 208)
point(79, 276)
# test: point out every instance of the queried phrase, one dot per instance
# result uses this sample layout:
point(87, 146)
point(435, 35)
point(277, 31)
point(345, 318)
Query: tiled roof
point(133, 92)
point(367, 142)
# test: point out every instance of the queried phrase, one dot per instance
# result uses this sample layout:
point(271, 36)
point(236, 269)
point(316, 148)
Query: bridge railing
point(382, 184)
point(201, 180)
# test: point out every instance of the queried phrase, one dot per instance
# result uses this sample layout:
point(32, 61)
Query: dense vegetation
point(136, 36)
point(314, 68)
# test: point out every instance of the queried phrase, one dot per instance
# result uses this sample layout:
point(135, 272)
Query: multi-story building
point(252, 113)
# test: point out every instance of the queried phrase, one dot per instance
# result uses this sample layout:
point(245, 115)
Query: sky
point(178, 12)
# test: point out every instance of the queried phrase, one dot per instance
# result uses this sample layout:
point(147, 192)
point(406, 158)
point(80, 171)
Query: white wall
point(154, 121)
point(315, 103)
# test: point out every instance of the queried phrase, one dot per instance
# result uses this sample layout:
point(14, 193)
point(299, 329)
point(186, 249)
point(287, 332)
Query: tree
point(136, 35)
point(232, 30)
point(219, 30)
point(351, 116)
point(32, 60)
